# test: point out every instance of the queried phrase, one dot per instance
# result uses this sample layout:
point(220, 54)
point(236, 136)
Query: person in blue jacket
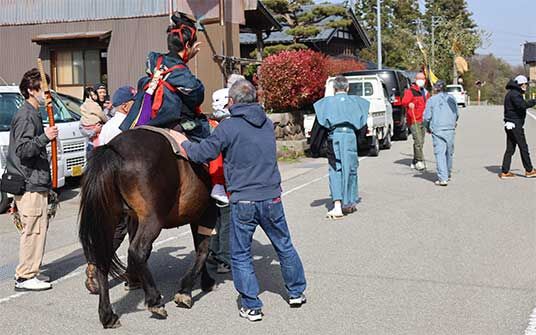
point(440, 119)
point(343, 115)
point(247, 142)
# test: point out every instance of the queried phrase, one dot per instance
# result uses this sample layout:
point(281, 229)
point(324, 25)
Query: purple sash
point(146, 110)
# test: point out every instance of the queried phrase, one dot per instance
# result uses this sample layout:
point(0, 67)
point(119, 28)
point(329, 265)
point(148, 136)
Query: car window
point(385, 92)
point(454, 89)
point(362, 89)
point(9, 105)
point(61, 113)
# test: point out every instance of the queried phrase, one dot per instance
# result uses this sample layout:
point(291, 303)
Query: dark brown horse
point(137, 177)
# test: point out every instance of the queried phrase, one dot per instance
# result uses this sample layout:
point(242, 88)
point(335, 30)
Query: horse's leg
point(201, 242)
point(107, 316)
point(138, 254)
point(133, 281)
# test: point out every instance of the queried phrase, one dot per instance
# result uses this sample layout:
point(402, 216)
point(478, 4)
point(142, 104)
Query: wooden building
point(346, 41)
point(529, 59)
point(84, 42)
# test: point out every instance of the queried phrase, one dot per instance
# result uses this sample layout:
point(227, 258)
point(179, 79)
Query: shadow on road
point(326, 202)
point(404, 161)
point(426, 175)
point(65, 265)
point(71, 189)
point(168, 268)
point(495, 169)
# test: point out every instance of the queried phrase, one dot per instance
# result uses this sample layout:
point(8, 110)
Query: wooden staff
point(51, 123)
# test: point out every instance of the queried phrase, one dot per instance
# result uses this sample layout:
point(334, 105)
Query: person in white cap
point(515, 112)
point(219, 105)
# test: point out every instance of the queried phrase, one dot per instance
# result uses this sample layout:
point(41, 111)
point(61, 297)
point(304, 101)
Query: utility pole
point(379, 30)
point(433, 43)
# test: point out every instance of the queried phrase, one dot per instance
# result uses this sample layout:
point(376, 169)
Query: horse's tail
point(101, 206)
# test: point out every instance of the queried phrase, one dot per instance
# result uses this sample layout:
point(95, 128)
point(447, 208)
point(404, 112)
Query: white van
point(71, 145)
point(380, 115)
point(458, 92)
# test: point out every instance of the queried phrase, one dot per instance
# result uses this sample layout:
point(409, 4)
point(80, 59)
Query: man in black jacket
point(515, 112)
point(27, 157)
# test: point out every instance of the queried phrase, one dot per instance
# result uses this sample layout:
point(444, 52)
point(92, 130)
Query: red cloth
point(413, 95)
point(215, 167)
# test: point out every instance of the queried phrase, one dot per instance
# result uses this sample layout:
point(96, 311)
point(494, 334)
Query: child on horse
point(170, 96)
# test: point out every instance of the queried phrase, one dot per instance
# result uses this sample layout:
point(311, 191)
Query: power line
point(509, 33)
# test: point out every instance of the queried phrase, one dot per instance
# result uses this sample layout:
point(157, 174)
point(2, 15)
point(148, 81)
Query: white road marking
point(309, 183)
point(303, 185)
point(82, 270)
point(531, 115)
point(531, 327)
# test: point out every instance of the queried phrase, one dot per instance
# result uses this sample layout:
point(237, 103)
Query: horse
point(137, 177)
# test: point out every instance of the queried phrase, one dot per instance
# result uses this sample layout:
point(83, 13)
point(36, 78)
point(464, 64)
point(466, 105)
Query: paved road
point(414, 259)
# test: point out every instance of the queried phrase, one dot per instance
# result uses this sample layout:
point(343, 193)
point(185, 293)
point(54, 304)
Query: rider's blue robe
point(343, 115)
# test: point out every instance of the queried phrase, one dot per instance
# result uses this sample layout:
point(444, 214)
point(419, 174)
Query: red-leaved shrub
point(337, 66)
point(292, 80)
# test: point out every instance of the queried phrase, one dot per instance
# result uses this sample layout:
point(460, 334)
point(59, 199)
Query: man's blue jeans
point(444, 150)
point(269, 214)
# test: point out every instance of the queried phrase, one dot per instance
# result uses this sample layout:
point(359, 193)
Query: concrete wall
point(130, 42)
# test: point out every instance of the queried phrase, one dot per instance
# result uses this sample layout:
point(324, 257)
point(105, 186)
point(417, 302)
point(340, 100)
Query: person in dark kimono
point(343, 115)
point(170, 95)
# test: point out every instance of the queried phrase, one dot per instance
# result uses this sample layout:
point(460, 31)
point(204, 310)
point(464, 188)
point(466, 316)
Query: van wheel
point(374, 146)
point(386, 142)
point(4, 203)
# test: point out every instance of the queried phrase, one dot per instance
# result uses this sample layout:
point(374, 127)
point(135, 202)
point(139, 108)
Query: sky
point(510, 22)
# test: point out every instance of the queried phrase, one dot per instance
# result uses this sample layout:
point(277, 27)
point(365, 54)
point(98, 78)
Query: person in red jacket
point(414, 100)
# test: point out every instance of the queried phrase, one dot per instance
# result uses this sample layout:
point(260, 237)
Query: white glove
point(509, 125)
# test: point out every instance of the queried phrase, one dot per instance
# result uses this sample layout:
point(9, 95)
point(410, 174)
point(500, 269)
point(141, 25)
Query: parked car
point(458, 93)
point(396, 82)
point(72, 103)
point(380, 114)
point(71, 144)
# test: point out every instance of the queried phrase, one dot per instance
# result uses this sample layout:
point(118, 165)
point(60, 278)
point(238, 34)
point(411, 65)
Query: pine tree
point(304, 24)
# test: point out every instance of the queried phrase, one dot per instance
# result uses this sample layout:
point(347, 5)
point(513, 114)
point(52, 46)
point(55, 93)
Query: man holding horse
point(248, 145)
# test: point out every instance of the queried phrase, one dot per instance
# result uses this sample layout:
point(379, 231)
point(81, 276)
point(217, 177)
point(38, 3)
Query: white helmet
point(520, 80)
point(220, 98)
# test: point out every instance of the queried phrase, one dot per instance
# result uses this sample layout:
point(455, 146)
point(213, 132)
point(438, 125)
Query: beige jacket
point(92, 113)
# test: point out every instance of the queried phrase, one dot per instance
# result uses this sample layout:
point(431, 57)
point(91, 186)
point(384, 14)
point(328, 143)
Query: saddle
point(170, 136)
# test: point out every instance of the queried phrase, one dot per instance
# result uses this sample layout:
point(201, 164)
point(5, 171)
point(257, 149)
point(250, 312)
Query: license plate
point(77, 171)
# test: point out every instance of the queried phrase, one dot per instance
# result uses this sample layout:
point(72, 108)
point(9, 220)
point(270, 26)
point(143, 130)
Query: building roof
point(529, 52)
point(22, 12)
point(71, 36)
point(259, 19)
point(326, 33)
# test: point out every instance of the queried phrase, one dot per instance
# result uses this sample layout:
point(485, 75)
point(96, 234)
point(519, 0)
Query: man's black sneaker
point(297, 301)
point(251, 314)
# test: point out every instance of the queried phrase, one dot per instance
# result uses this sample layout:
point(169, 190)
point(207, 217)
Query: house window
point(78, 67)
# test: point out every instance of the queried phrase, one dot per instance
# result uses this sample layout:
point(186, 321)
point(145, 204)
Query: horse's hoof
point(114, 323)
point(183, 300)
point(92, 286)
point(159, 312)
